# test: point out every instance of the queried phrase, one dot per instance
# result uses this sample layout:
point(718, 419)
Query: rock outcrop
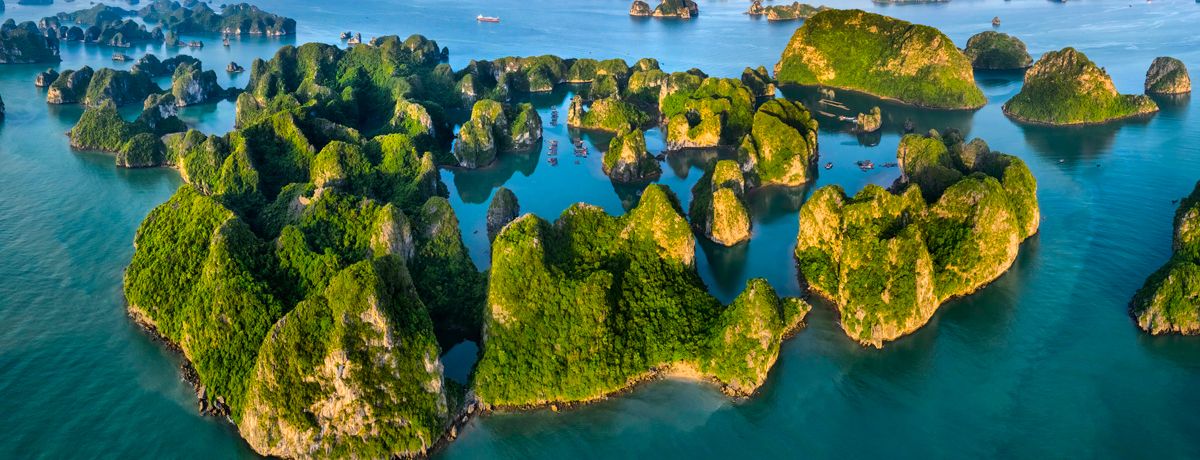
point(1066, 88)
point(679, 9)
point(192, 85)
point(44, 79)
point(869, 122)
point(628, 161)
point(609, 115)
point(881, 56)
point(1169, 301)
point(718, 210)
point(997, 51)
point(793, 12)
point(493, 130)
point(70, 86)
point(503, 209)
point(888, 259)
point(782, 146)
point(573, 313)
point(24, 44)
point(717, 112)
point(1168, 75)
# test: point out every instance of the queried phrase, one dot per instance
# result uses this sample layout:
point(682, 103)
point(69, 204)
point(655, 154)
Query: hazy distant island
point(880, 56)
point(1066, 88)
point(679, 9)
point(793, 12)
point(1169, 302)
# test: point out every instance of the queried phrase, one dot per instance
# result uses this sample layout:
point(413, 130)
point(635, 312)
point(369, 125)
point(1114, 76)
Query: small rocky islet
point(1066, 88)
point(315, 241)
point(678, 9)
point(997, 51)
point(1169, 301)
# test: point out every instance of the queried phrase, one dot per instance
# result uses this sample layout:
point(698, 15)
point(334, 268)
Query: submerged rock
point(997, 51)
point(504, 209)
point(627, 159)
point(1168, 75)
point(1169, 301)
point(782, 146)
point(881, 56)
point(718, 210)
point(1066, 88)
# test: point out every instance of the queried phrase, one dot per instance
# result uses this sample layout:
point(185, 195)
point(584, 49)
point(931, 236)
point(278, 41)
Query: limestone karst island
point(573, 229)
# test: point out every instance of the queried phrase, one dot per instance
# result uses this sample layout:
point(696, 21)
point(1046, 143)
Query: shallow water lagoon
point(1045, 362)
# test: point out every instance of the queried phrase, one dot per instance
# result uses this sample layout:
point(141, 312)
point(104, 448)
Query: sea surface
point(1044, 363)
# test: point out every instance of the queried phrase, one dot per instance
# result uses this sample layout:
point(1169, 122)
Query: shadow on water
point(989, 80)
point(769, 204)
point(476, 185)
point(1172, 104)
point(1075, 143)
point(896, 117)
point(681, 162)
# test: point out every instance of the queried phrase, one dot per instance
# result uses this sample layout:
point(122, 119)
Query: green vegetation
point(609, 115)
point(593, 303)
point(119, 87)
point(1066, 88)
point(793, 12)
point(719, 111)
point(503, 209)
point(1168, 75)
point(70, 86)
point(782, 146)
point(199, 18)
point(997, 51)
point(759, 82)
point(888, 260)
point(24, 44)
point(351, 372)
point(881, 56)
point(492, 130)
point(289, 271)
point(627, 159)
point(102, 128)
point(718, 210)
point(1169, 302)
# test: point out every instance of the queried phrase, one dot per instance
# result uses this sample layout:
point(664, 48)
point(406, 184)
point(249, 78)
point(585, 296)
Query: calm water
point(1044, 363)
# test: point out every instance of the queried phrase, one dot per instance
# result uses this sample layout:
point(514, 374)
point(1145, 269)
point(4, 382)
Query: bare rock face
point(627, 159)
point(504, 209)
point(44, 79)
point(718, 209)
point(1168, 75)
point(639, 8)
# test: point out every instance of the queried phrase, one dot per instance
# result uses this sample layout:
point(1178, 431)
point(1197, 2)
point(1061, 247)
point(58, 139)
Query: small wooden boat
point(482, 18)
point(829, 165)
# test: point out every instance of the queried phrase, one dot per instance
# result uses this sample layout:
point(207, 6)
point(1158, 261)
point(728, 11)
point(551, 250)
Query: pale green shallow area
point(1044, 363)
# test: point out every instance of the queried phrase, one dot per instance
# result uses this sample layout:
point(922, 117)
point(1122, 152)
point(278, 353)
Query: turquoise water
point(1043, 363)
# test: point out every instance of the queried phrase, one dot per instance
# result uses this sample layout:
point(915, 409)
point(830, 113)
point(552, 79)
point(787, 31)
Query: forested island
point(1169, 302)
point(997, 51)
point(311, 268)
point(880, 56)
point(951, 224)
point(1066, 88)
point(115, 26)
